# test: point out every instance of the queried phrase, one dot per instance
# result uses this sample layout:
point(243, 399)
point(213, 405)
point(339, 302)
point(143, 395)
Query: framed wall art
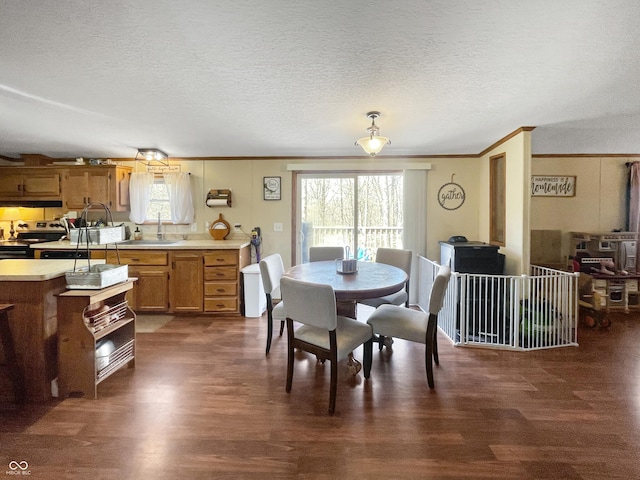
point(271, 188)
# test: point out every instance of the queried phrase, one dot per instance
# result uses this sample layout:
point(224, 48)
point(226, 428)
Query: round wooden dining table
point(372, 280)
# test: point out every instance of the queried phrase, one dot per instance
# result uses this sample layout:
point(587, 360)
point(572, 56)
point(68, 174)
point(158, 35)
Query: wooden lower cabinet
point(151, 267)
point(222, 280)
point(185, 281)
point(151, 293)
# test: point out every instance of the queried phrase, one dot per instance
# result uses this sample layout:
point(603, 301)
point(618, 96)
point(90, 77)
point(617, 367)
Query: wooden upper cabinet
point(30, 183)
point(108, 184)
point(83, 186)
point(122, 176)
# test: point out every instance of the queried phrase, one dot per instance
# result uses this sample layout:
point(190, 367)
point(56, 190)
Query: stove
point(28, 233)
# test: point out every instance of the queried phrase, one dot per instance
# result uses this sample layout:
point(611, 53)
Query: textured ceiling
point(99, 78)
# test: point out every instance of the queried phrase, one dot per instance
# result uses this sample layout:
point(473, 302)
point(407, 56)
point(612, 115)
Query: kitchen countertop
point(204, 244)
point(37, 270)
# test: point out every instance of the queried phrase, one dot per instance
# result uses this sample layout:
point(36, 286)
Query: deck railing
point(369, 238)
point(524, 312)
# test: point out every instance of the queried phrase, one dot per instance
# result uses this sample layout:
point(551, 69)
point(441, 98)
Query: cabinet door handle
point(19, 187)
point(221, 290)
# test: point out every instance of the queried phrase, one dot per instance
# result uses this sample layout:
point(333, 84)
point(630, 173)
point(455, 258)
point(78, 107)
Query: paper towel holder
point(218, 197)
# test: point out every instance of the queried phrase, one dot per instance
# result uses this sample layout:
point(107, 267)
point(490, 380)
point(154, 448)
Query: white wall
point(599, 203)
point(517, 151)
point(244, 177)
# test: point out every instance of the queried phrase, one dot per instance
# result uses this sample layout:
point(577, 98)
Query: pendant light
point(374, 143)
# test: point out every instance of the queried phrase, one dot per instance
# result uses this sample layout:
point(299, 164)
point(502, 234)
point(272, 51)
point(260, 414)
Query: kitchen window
point(159, 202)
point(168, 195)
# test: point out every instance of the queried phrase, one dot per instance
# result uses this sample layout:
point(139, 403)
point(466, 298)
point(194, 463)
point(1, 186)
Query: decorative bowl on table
point(346, 266)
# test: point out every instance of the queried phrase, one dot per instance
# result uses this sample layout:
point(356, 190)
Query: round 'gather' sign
point(451, 195)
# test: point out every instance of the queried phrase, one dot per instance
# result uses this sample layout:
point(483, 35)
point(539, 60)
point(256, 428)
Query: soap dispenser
point(137, 235)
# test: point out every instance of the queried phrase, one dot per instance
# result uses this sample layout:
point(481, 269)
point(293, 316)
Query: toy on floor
point(592, 310)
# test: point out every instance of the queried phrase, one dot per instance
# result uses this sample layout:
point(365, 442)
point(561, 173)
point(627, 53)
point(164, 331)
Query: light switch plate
point(277, 227)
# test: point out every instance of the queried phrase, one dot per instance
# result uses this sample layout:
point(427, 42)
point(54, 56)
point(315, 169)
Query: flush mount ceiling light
point(374, 143)
point(152, 154)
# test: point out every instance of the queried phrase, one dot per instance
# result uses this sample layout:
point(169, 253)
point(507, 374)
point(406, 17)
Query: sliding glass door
point(359, 211)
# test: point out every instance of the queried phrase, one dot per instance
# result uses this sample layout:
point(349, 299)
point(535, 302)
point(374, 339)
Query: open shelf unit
point(96, 337)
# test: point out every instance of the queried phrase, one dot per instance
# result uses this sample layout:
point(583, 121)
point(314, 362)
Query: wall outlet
point(277, 227)
point(194, 227)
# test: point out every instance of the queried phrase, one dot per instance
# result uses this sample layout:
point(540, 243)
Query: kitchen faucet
point(159, 227)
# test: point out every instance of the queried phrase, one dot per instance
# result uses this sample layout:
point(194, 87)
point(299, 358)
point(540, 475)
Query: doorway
point(362, 211)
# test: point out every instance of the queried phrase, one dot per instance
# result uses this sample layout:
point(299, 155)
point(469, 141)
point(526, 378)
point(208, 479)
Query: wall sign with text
point(451, 195)
point(553, 186)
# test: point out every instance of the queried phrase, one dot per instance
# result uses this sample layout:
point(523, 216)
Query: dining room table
point(370, 280)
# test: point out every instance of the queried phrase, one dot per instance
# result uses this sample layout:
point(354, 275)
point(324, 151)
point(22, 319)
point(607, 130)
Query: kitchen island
point(32, 286)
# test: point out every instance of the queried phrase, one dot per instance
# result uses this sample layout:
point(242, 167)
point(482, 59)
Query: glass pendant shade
point(373, 144)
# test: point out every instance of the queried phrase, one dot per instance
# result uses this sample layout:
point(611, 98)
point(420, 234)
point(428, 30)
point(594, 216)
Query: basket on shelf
point(96, 276)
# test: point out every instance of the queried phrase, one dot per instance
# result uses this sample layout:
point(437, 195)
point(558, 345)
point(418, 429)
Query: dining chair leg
point(333, 358)
point(435, 346)
point(269, 331)
point(290, 350)
point(428, 351)
point(368, 357)
point(281, 327)
point(334, 386)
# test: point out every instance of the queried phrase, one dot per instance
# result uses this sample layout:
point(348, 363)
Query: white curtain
point(415, 223)
point(634, 202)
point(179, 186)
point(139, 193)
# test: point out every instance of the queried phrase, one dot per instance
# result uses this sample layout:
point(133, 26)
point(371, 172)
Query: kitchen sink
point(148, 242)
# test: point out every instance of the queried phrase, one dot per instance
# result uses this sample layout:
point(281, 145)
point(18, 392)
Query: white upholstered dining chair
point(320, 254)
point(414, 325)
point(322, 331)
point(395, 257)
point(271, 271)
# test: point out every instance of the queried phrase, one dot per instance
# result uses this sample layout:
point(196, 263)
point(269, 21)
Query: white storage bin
point(97, 235)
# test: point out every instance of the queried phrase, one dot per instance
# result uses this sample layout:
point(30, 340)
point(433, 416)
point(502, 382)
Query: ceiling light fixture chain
point(374, 143)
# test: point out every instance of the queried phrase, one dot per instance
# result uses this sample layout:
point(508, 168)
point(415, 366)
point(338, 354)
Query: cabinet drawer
point(212, 289)
point(222, 257)
point(139, 258)
point(221, 304)
point(220, 273)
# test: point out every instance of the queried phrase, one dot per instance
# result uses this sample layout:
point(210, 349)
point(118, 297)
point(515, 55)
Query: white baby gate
point(524, 312)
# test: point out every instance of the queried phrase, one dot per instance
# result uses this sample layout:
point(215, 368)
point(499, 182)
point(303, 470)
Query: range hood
point(31, 203)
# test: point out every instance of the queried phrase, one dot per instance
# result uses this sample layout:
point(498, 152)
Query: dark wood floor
point(205, 403)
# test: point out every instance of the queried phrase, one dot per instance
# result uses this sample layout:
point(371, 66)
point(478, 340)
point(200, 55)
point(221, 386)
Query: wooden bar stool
point(10, 354)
